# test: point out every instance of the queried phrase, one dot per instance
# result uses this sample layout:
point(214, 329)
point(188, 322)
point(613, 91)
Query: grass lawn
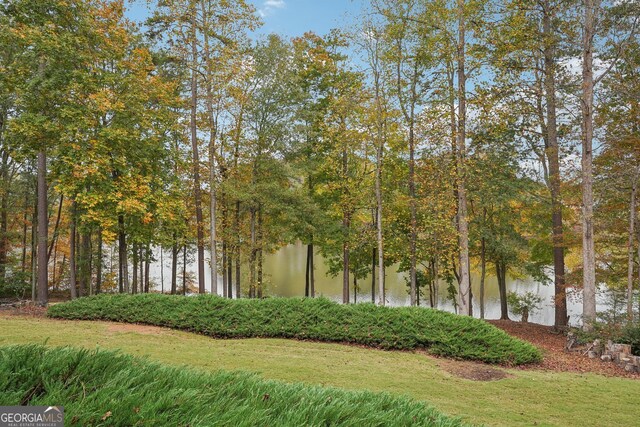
point(525, 398)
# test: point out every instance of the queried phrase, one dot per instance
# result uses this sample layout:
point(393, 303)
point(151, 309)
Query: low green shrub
point(109, 389)
point(15, 285)
point(401, 328)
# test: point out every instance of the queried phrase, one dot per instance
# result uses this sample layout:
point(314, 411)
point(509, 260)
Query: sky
point(289, 18)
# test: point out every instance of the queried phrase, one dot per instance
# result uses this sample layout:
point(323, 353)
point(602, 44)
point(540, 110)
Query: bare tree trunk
point(237, 248)
point(196, 158)
point(43, 231)
point(630, 249)
point(588, 250)
point(72, 253)
point(54, 238)
point(122, 257)
point(134, 283)
point(501, 273)
point(312, 273)
point(345, 235)
point(4, 208)
point(147, 259)
point(184, 269)
point(174, 265)
point(161, 270)
point(307, 284)
point(414, 221)
point(24, 231)
point(225, 282)
point(379, 231)
point(260, 252)
point(99, 263)
point(373, 276)
point(252, 256)
point(84, 267)
point(483, 269)
point(553, 158)
point(463, 225)
point(230, 272)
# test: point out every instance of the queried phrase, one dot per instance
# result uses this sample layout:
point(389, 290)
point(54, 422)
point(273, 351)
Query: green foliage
point(15, 285)
point(401, 328)
point(106, 388)
point(523, 305)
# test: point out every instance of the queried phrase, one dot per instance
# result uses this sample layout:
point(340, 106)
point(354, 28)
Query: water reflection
point(284, 275)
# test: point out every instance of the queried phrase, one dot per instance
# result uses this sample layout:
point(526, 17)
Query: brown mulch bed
point(552, 343)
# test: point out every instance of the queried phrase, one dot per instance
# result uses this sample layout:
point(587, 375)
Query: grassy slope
point(528, 397)
point(399, 328)
point(106, 388)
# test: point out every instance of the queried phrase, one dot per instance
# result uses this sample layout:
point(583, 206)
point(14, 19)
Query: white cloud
point(270, 6)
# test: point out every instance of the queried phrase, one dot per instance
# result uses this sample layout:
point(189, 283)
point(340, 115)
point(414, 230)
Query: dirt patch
point(552, 343)
point(472, 371)
point(140, 329)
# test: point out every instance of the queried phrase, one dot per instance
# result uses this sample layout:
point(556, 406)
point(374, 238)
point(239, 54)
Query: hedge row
point(401, 328)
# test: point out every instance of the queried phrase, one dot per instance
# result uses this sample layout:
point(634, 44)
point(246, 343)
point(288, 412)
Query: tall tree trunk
point(34, 250)
point(501, 273)
point(212, 163)
point(225, 282)
point(24, 231)
point(54, 238)
point(99, 263)
point(43, 231)
point(483, 270)
point(134, 282)
point(630, 249)
point(355, 289)
point(197, 191)
point(161, 270)
point(312, 275)
point(379, 231)
point(141, 260)
point(414, 221)
point(373, 276)
point(85, 266)
point(4, 208)
point(184, 270)
point(463, 225)
point(123, 267)
point(345, 234)
point(174, 265)
point(252, 256)
point(307, 284)
point(553, 158)
point(588, 250)
point(73, 286)
point(230, 273)
point(147, 261)
point(260, 251)
point(236, 229)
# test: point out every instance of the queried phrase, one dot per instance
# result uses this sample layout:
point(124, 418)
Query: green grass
point(106, 388)
point(525, 398)
point(399, 328)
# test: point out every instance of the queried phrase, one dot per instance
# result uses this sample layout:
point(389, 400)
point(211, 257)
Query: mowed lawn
point(524, 398)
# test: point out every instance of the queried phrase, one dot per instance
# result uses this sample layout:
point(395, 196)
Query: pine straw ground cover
point(110, 389)
point(399, 328)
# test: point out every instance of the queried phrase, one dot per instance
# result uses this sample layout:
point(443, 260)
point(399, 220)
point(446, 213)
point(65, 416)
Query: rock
point(592, 354)
point(620, 348)
point(606, 357)
point(629, 367)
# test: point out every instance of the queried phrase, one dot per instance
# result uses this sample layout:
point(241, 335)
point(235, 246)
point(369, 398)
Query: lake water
point(284, 275)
